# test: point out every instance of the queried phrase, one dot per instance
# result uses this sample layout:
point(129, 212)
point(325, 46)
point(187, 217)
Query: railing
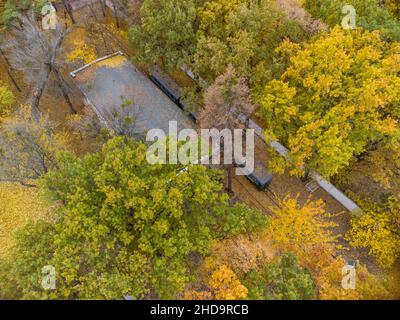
point(73, 73)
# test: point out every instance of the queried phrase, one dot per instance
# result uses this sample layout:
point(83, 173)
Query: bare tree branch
point(34, 51)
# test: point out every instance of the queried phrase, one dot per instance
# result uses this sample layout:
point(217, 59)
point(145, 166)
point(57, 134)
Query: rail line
point(272, 196)
point(267, 210)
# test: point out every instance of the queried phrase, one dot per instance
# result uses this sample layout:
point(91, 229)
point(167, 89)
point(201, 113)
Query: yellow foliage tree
point(82, 52)
point(226, 285)
point(299, 228)
point(326, 268)
point(305, 231)
point(378, 230)
point(338, 96)
point(327, 273)
point(7, 99)
point(197, 295)
point(216, 13)
point(18, 206)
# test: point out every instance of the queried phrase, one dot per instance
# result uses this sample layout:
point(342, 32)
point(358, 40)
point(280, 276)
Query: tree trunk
point(8, 67)
point(38, 91)
point(68, 8)
point(116, 16)
point(13, 80)
point(103, 8)
point(229, 188)
point(5, 58)
point(62, 85)
point(305, 176)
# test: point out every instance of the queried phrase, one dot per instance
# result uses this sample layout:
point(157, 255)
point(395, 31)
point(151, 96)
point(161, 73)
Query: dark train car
point(191, 114)
point(260, 176)
point(170, 88)
point(166, 84)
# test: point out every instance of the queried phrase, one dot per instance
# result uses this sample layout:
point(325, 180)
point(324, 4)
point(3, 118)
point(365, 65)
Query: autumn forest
point(85, 215)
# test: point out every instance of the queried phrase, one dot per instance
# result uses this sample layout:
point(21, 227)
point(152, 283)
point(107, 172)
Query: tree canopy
point(339, 93)
point(378, 230)
point(125, 227)
point(243, 34)
point(300, 227)
point(370, 15)
point(281, 280)
point(85, 199)
point(166, 32)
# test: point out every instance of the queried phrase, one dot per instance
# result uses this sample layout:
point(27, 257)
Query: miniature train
point(171, 89)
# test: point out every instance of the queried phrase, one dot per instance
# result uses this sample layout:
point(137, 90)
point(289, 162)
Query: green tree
point(34, 245)
point(126, 227)
point(166, 32)
point(243, 34)
point(12, 8)
point(370, 15)
point(339, 94)
point(280, 280)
